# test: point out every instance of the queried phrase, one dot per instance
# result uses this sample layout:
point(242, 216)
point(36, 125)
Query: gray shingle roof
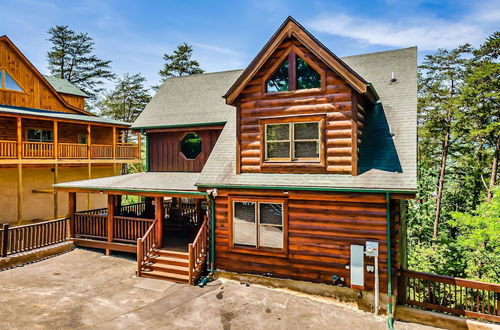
point(189, 101)
point(64, 86)
point(388, 153)
point(7, 109)
point(150, 182)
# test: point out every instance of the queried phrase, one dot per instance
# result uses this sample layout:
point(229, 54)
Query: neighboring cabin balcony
point(41, 141)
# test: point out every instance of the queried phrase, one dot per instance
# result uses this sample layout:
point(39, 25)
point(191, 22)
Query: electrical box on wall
point(357, 265)
point(372, 249)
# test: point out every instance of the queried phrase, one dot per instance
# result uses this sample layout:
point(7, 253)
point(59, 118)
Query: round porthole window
point(191, 145)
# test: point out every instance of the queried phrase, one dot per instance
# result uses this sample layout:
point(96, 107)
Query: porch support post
point(19, 172)
point(71, 213)
point(159, 215)
point(111, 214)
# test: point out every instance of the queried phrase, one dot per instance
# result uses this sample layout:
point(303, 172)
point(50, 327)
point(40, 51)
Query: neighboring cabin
point(46, 136)
point(303, 156)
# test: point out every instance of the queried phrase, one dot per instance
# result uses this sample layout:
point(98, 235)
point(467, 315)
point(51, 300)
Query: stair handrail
point(145, 245)
point(197, 251)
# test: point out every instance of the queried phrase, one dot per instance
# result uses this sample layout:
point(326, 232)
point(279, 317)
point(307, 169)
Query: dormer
point(300, 109)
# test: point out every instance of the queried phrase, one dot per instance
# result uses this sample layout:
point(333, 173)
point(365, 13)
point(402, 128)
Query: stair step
point(170, 261)
point(165, 276)
point(169, 268)
point(174, 254)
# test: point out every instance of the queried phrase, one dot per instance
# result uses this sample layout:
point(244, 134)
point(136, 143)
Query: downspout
point(390, 320)
point(206, 279)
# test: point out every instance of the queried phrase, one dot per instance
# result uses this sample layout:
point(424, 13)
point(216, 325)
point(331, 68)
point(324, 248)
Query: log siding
point(321, 228)
point(334, 100)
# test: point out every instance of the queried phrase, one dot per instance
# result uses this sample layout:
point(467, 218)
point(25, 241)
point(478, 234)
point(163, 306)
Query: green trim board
point(179, 125)
point(308, 189)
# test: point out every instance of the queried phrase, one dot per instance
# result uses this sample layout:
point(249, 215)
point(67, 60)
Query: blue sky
point(227, 34)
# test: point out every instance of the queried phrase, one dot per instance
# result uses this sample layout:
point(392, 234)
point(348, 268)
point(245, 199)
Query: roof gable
point(292, 28)
point(41, 78)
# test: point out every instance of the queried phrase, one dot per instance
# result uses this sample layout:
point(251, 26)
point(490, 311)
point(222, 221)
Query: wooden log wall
point(322, 226)
point(38, 93)
point(335, 102)
point(74, 100)
point(165, 153)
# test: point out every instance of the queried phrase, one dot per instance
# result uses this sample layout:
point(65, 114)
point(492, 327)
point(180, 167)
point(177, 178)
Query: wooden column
point(19, 139)
point(114, 142)
point(159, 215)
point(89, 167)
point(56, 141)
point(139, 136)
point(56, 166)
point(71, 213)
point(56, 180)
point(111, 214)
point(19, 194)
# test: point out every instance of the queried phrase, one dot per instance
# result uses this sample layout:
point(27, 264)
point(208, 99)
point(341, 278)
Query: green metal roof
point(8, 109)
point(64, 86)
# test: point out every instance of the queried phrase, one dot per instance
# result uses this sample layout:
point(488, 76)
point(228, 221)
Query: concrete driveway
point(85, 289)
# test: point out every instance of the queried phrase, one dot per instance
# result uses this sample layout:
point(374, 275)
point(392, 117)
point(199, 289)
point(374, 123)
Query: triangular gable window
point(294, 73)
point(9, 83)
point(279, 80)
point(307, 77)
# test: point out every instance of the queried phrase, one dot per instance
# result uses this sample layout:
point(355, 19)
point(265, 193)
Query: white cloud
point(217, 49)
point(425, 32)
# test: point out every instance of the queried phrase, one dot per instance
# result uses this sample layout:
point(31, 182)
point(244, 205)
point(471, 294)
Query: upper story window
point(299, 141)
point(294, 73)
point(7, 82)
point(191, 145)
point(40, 135)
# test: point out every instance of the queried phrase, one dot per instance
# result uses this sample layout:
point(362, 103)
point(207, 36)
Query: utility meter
point(371, 249)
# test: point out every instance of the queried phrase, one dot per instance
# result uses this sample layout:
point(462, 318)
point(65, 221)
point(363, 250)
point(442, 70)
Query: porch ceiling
point(147, 182)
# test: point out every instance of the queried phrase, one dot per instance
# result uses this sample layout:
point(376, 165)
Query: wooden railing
point(129, 229)
point(126, 151)
point(198, 252)
point(101, 211)
point(101, 151)
point(88, 225)
point(450, 295)
point(72, 150)
point(185, 212)
point(8, 149)
point(146, 246)
point(38, 149)
point(136, 209)
point(29, 237)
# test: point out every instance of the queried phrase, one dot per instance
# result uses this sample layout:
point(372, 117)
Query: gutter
point(178, 125)
point(390, 320)
point(308, 189)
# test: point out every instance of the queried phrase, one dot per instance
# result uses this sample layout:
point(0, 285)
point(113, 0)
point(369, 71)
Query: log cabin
point(296, 167)
point(46, 137)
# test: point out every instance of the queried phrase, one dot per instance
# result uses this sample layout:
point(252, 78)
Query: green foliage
point(71, 57)
point(127, 100)
point(458, 97)
point(479, 239)
point(179, 63)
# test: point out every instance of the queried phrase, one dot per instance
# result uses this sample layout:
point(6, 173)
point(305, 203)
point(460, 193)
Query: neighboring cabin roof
point(38, 113)
point(189, 101)
point(64, 86)
point(139, 182)
point(385, 162)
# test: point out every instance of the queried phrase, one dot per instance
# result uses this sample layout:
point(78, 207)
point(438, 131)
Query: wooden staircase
point(167, 265)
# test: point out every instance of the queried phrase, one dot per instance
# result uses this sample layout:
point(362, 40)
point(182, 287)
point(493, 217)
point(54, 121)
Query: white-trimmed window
point(296, 141)
point(258, 224)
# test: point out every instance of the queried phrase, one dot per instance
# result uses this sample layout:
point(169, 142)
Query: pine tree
point(179, 63)
point(441, 77)
point(127, 100)
point(71, 57)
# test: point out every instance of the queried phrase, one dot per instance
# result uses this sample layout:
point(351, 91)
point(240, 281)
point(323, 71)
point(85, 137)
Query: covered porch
point(167, 228)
